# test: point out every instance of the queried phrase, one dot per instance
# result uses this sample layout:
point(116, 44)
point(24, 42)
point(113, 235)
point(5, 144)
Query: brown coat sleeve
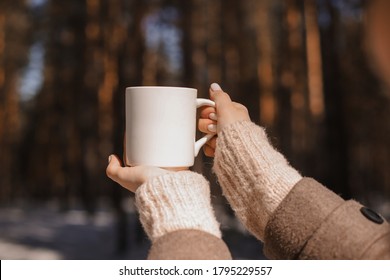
point(314, 223)
point(189, 245)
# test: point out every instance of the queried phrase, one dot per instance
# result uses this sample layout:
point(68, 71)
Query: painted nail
point(109, 159)
point(215, 87)
point(212, 128)
point(213, 116)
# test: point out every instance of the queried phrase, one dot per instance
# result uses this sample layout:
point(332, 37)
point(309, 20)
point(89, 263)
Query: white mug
point(161, 124)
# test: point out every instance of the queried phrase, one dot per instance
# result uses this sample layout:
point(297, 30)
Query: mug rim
point(156, 87)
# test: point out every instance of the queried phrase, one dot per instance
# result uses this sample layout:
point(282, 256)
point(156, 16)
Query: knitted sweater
point(250, 172)
point(254, 177)
point(295, 217)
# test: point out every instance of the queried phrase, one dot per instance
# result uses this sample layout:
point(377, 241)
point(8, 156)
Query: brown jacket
point(311, 223)
point(297, 218)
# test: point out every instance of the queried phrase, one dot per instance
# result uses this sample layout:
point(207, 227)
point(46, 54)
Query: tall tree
point(334, 100)
point(265, 62)
point(314, 61)
point(54, 158)
point(14, 43)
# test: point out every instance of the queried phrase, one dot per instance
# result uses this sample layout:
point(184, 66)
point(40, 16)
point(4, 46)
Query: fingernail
point(109, 159)
point(215, 87)
point(212, 128)
point(213, 116)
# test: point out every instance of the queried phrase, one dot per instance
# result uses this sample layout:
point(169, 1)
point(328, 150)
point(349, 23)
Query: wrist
point(175, 201)
point(255, 178)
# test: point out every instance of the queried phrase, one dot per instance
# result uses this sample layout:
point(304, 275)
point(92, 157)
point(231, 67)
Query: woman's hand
point(131, 177)
point(226, 112)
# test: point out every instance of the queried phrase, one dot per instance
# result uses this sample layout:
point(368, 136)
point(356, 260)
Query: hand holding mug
point(225, 113)
point(131, 177)
point(160, 132)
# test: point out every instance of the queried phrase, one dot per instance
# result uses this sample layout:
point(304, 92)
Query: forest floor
point(30, 230)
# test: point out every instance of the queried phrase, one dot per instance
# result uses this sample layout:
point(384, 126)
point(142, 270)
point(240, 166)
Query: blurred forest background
point(301, 67)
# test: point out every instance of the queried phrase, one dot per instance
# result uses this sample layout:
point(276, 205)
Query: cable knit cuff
point(174, 201)
point(254, 177)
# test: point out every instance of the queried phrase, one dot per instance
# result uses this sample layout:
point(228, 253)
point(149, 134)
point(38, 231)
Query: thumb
point(222, 99)
point(114, 166)
point(128, 177)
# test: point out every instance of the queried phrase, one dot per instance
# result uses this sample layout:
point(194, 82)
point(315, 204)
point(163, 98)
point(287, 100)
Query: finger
point(175, 168)
point(113, 166)
point(208, 151)
point(207, 126)
point(221, 98)
point(214, 87)
point(122, 175)
point(206, 111)
point(115, 171)
point(212, 142)
point(124, 149)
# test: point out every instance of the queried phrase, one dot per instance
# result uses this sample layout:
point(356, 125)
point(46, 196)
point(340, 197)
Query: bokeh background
point(302, 67)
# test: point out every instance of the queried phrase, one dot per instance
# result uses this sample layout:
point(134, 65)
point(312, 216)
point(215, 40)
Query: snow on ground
point(42, 231)
point(32, 231)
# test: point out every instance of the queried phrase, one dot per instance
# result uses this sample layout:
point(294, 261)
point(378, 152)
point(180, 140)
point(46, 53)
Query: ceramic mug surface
point(161, 125)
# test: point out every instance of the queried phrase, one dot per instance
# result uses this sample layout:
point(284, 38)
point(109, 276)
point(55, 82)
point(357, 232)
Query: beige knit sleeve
point(254, 177)
point(175, 201)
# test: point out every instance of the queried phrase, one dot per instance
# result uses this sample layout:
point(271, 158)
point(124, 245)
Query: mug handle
point(199, 144)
